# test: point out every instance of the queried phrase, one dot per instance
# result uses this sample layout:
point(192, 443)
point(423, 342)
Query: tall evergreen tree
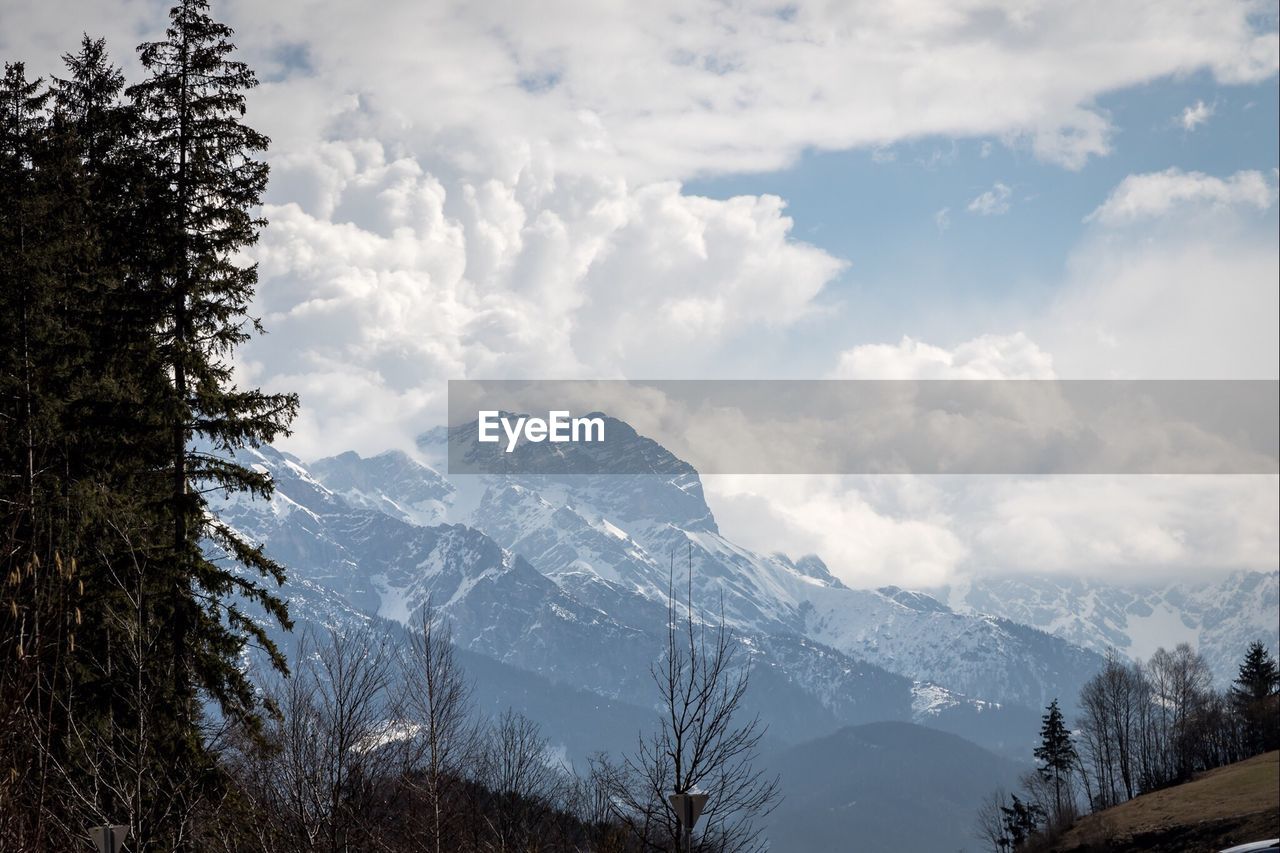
point(88, 99)
point(1057, 756)
point(1258, 676)
point(209, 185)
point(48, 256)
point(25, 297)
point(114, 708)
point(122, 299)
point(22, 617)
point(1256, 696)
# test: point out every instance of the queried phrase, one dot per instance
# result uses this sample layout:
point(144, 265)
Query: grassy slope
point(1226, 806)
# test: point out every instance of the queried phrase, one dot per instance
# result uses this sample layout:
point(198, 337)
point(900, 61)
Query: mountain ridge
point(568, 577)
point(1219, 617)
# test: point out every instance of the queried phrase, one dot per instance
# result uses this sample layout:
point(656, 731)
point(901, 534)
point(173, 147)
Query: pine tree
point(122, 299)
point(113, 710)
point(1258, 676)
point(22, 289)
point(1057, 756)
point(21, 616)
point(88, 100)
point(44, 252)
point(1254, 695)
point(209, 185)
point(115, 410)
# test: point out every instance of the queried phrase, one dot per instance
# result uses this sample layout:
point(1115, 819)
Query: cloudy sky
point(663, 189)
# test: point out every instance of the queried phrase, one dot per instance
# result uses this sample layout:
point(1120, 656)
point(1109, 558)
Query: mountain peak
point(391, 482)
point(917, 601)
point(627, 477)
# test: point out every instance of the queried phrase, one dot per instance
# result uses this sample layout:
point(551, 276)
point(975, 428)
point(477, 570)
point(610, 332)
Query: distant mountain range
point(1220, 617)
point(566, 578)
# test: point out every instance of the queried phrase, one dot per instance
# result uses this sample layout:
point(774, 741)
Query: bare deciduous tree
point(515, 767)
point(1185, 683)
point(437, 705)
point(335, 743)
point(1112, 704)
point(701, 745)
point(1144, 727)
point(118, 767)
point(989, 821)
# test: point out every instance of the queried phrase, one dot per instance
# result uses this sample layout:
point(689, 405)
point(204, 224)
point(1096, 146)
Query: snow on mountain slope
point(979, 656)
point(1220, 617)
point(568, 576)
point(637, 532)
point(576, 628)
point(390, 482)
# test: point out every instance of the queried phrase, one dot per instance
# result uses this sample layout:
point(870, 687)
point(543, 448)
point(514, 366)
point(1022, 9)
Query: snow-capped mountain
point(576, 628)
point(1220, 617)
point(535, 568)
point(594, 533)
point(568, 577)
point(420, 492)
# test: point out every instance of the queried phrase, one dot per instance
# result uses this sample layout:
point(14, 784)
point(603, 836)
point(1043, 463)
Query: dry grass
point(1239, 802)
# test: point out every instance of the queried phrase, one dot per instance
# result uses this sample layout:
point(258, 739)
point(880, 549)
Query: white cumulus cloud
point(671, 89)
point(989, 356)
point(1156, 194)
point(380, 280)
point(930, 531)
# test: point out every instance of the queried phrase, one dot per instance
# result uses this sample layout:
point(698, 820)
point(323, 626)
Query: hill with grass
point(1223, 807)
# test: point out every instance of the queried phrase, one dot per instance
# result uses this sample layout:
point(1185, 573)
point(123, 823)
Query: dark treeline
point(125, 210)
point(1141, 727)
point(139, 684)
point(376, 746)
